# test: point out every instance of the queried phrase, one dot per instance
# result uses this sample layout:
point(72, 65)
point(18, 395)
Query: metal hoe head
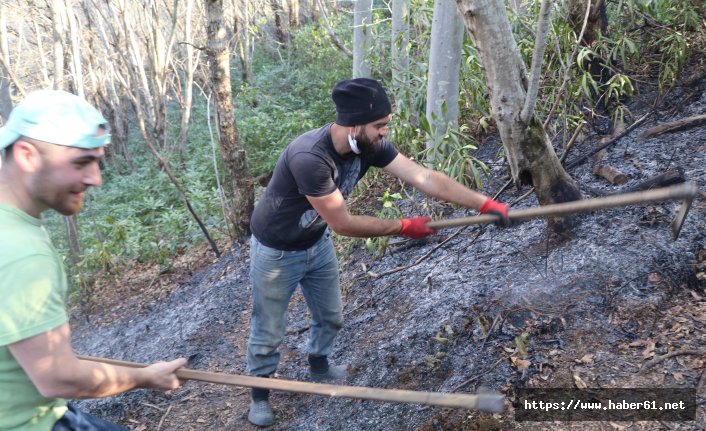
point(680, 217)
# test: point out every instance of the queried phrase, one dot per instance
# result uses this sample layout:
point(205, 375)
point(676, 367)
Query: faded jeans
point(77, 420)
point(275, 274)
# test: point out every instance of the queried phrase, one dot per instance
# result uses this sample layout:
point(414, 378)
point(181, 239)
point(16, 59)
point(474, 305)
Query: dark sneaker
point(334, 372)
point(261, 413)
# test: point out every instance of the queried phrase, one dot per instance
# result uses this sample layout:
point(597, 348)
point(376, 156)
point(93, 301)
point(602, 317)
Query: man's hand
point(496, 208)
point(162, 375)
point(416, 227)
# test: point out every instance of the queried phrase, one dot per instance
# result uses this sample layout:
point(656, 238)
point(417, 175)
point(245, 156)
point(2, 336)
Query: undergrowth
point(139, 217)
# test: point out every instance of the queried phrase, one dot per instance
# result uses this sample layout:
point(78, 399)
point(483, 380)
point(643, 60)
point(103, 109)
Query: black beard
point(365, 145)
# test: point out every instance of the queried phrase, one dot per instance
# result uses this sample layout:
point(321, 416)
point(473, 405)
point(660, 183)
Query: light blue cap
point(56, 117)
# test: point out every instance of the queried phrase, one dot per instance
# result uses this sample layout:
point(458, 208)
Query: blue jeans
point(275, 274)
point(76, 420)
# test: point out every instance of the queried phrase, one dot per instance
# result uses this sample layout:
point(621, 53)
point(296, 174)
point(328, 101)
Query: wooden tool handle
point(678, 192)
point(483, 402)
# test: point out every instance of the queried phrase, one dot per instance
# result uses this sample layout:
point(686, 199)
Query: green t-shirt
point(32, 292)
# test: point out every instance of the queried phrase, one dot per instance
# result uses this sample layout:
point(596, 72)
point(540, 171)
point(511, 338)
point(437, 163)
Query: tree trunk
point(400, 55)
point(314, 10)
point(241, 29)
point(294, 20)
point(72, 236)
point(281, 32)
point(114, 106)
point(40, 51)
point(596, 24)
point(239, 191)
point(190, 67)
point(5, 95)
point(443, 78)
point(76, 69)
point(362, 19)
point(530, 154)
point(57, 7)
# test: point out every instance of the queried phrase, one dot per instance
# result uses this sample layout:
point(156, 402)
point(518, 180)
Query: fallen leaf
point(617, 426)
point(585, 359)
point(654, 278)
point(520, 364)
point(638, 343)
point(649, 350)
point(578, 381)
point(678, 377)
point(521, 343)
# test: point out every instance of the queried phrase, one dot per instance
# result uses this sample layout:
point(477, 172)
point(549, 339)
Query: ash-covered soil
point(479, 307)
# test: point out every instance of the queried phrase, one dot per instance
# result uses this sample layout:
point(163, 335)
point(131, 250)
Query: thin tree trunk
point(190, 67)
point(72, 236)
point(362, 19)
point(76, 69)
point(596, 24)
point(294, 20)
point(104, 87)
point(443, 78)
point(239, 191)
point(241, 28)
point(281, 32)
point(5, 95)
point(530, 154)
point(336, 42)
point(537, 59)
point(40, 51)
point(57, 7)
point(314, 11)
point(400, 55)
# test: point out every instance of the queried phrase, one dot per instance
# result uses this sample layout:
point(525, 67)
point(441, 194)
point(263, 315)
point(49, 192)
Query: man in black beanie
point(291, 243)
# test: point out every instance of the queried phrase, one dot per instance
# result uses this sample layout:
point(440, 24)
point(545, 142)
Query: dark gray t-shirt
point(283, 218)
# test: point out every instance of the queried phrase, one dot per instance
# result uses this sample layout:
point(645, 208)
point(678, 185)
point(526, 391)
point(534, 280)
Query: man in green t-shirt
point(50, 149)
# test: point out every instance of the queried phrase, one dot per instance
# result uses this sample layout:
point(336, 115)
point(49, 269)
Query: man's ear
point(26, 156)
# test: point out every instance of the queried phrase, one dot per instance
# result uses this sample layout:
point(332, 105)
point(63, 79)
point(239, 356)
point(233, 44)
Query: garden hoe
point(485, 402)
point(685, 192)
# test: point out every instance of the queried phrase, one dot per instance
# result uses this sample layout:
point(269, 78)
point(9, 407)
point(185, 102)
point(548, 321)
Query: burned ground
point(469, 308)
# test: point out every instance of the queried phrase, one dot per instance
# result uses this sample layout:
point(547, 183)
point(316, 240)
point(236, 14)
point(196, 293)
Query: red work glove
point(496, 208)
point(416, 227)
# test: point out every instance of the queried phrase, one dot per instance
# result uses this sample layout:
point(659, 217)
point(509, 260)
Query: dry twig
point(479, 375)
point(658, 359)
point(164, 416)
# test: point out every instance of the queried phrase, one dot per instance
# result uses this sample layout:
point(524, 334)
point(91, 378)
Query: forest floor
point(615, 304)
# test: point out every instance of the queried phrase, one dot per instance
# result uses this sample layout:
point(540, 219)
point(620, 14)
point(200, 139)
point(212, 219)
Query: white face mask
point(353, 143)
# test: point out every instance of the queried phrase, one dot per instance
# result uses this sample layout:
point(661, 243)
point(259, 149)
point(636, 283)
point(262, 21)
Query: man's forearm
point(49, 361)
point(94, 380)
point(367, 226)
point(441, 186)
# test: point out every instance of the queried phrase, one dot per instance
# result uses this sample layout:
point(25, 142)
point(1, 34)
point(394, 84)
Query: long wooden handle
point(483, 402)
point(683, 191)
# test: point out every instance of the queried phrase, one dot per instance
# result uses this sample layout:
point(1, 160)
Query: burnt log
point(684, 123)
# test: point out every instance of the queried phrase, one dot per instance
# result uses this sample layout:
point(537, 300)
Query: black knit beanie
point(360, 101)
